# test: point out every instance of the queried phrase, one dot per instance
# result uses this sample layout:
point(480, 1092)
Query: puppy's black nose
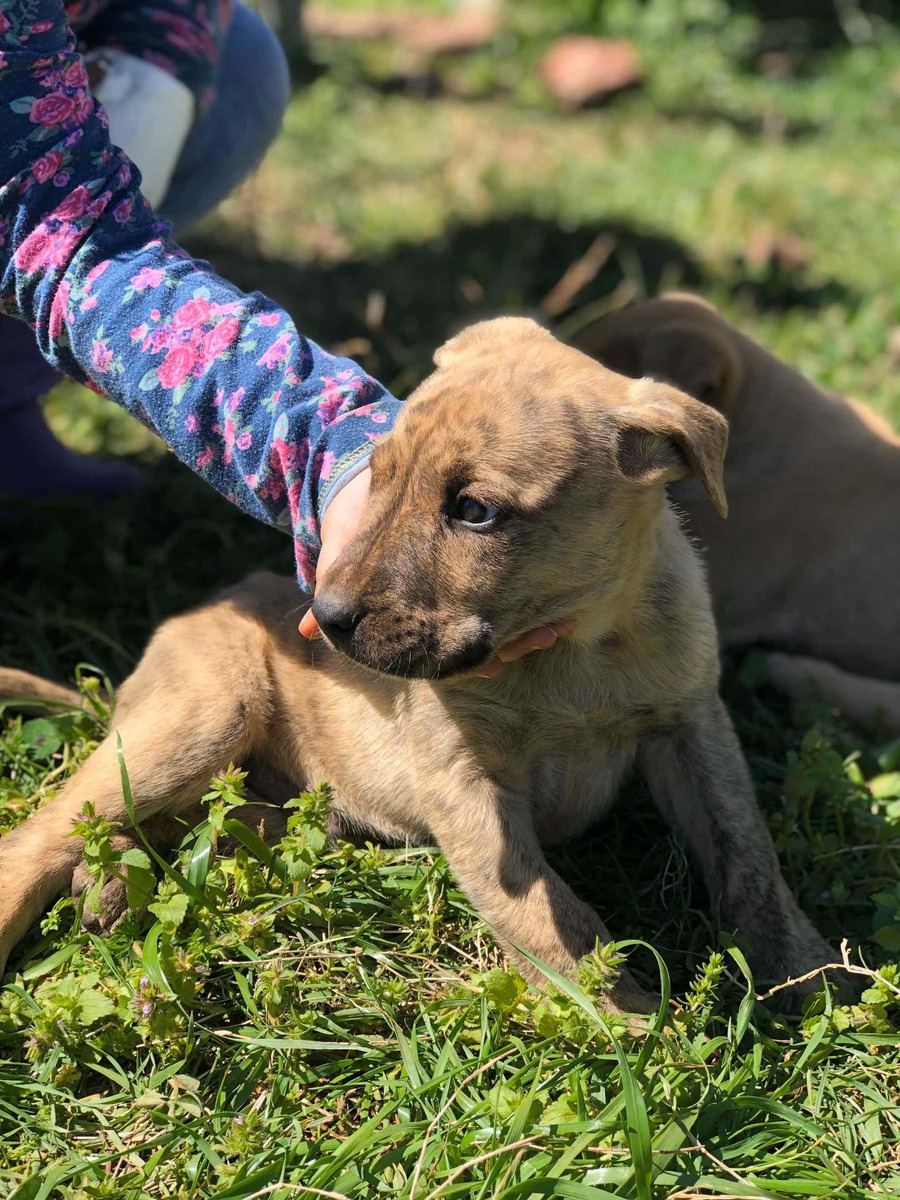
point(337, 616)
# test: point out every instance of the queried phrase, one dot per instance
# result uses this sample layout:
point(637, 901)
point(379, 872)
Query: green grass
point(340, 1019)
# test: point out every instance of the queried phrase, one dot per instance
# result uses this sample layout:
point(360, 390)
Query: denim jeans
point(225, 145)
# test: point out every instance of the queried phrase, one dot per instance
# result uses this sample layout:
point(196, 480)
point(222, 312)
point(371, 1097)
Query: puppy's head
point(522, 484)
point(679, 339)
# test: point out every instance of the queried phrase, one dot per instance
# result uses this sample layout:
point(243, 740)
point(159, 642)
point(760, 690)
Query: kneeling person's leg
point(231, 139)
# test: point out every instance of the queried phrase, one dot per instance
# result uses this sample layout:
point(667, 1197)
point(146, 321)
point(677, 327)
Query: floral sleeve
point(183, 37)
point(263, 414)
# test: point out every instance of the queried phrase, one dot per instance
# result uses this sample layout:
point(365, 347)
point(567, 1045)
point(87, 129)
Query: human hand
point(344, 517)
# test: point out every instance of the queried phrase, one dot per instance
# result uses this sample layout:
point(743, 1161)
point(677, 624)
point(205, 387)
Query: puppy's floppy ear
point(499, 332)
point(678, 339)
point(663, 434)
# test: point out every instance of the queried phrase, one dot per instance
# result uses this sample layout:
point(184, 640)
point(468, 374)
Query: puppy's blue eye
point(470, 511)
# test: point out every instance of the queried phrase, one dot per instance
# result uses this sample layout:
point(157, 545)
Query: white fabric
point(150, 115)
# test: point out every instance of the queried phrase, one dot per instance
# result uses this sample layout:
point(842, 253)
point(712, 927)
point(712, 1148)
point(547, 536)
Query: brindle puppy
point(524, 483)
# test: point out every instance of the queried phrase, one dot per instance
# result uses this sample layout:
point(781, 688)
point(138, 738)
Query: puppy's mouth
point(422, 659)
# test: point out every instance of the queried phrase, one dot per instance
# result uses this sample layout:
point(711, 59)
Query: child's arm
point(263, 414)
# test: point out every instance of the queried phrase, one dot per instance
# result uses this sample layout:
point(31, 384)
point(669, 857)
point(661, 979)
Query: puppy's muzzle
point(396, 640)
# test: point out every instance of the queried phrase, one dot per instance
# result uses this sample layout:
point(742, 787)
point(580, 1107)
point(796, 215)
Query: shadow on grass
point(405, 303)
point(391, 312)
point(82, 581)
point(808, 26)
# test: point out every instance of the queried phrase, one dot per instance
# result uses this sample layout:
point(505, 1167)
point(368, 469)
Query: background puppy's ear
point(664, 434)
point(498, 332)
point(699, 361)
point(679, 340)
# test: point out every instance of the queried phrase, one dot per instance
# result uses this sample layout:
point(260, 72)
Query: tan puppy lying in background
point(808, 562)
point(523, 483)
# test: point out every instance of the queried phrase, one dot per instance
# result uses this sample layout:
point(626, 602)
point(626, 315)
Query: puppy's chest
point(567, 793)
point(568, 763)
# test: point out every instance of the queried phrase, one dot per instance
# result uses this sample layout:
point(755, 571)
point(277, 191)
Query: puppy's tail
point(20, 685)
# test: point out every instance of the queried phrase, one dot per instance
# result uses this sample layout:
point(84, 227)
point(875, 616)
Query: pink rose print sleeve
point(263, 414)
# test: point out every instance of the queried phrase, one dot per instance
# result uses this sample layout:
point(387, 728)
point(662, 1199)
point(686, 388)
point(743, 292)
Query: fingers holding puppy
point(541, 638)
point(341, 523)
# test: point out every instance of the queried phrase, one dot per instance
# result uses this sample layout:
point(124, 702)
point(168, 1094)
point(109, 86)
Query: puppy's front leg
point(702, 785)
point(488, 838)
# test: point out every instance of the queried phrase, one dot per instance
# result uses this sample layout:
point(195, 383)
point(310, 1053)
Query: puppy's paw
point(791, 998)
point(113, 903)
point(629, 999)
point(799, 975)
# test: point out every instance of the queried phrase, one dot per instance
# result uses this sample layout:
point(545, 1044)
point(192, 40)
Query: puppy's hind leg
point(859, 697)
point(173, 740)
point(21, 685)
